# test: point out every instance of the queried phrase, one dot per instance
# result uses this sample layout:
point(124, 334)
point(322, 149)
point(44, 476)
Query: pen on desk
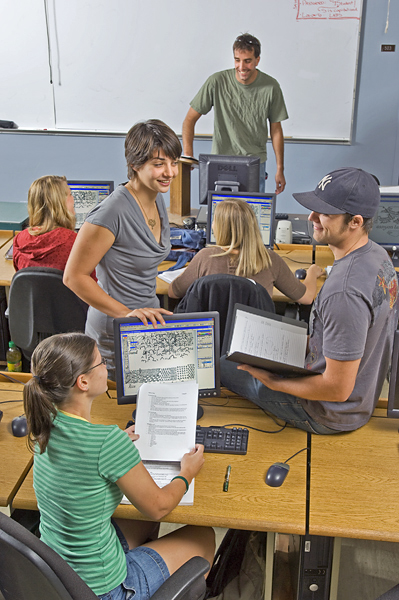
point(227, 479)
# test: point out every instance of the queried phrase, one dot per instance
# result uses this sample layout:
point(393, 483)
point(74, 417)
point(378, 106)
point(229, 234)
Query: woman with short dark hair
point(127, 236)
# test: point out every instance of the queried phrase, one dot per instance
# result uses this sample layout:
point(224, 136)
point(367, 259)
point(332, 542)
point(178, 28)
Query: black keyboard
point(222, 440)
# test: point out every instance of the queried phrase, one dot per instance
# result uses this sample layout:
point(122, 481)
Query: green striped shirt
point(74, 481)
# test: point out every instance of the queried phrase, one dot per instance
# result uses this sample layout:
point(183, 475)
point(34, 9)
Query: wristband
point(183, 479)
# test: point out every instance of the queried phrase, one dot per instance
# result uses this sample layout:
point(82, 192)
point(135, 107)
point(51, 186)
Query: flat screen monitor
point(393, 391)
point(227, 173)
point(263, 205)
point(87, 194)
point(186, 348)
point(385, 231)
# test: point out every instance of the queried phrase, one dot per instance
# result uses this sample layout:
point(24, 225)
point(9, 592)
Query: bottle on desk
point(14, 358)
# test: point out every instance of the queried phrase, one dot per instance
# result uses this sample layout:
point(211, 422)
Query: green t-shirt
point(74, 481)
point(241, 112)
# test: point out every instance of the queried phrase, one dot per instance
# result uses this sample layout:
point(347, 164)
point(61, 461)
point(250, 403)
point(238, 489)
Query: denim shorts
point(146, 572)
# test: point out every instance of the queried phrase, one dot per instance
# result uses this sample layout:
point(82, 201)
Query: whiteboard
point(114, 62)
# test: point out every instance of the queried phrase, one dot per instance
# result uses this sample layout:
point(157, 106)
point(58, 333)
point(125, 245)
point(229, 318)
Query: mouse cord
point(299, 451)
point(7, 401)
point(256, 429)
point(11, 378)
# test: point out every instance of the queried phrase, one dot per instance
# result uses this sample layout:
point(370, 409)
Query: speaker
point(284, 232)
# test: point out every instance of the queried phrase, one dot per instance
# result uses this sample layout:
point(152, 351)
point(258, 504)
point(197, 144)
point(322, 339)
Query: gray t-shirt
point(354, 316)
point(241, 112)
point(128, 271)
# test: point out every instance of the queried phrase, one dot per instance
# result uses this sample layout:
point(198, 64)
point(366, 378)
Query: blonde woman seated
point(240, 251)
point(48, 240)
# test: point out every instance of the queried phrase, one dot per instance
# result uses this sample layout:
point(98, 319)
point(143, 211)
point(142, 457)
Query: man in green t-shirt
point(243, 99)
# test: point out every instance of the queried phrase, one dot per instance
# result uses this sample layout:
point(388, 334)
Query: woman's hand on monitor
point(150, 314)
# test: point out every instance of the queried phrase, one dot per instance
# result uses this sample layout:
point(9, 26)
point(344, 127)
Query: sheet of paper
point(166, 418)
point(162, 473)
point(267, 338)
point(170, 276)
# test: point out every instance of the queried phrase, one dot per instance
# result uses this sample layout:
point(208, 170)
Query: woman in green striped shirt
point(81, 471)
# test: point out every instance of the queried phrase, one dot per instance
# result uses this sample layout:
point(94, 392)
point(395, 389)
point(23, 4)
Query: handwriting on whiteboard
point(327, 9)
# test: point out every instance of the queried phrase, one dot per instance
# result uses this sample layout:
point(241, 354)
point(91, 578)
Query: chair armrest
point(187, 582)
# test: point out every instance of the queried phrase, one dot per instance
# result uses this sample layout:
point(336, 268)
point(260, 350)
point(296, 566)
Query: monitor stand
point(227, 186)
point(200, 413)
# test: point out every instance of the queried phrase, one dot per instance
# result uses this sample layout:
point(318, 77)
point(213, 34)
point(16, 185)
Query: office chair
point(31, 570)
point(40, 305)
point(221, 293)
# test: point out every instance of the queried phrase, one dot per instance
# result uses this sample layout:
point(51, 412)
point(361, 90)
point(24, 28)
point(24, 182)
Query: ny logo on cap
point(322, 184)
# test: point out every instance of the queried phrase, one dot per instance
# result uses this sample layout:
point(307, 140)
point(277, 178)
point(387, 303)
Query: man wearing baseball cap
point(352, 322)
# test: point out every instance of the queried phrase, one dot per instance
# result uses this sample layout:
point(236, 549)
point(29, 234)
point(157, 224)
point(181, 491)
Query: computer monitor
point(393, 391)
point(227, 173)
point(87, 194)
point(263, 205)
point(385, 231)
point(186, 348)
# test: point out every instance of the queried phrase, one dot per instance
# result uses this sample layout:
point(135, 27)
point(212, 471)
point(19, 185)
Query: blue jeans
point(262, 176)
point(284, 406)
point(146, 572)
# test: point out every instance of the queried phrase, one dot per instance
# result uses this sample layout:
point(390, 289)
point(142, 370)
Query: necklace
point(151, 222)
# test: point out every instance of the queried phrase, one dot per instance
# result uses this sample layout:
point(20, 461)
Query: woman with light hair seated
point(48, 240)
point(240, 251)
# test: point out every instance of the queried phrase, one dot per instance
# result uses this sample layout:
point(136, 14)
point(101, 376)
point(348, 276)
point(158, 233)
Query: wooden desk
point(7, 270)
point(13, 215)
point(299, 256)
point(249, 503)
point(354, 482)
point(6, 267)
point(5, 236)
point(15, 459)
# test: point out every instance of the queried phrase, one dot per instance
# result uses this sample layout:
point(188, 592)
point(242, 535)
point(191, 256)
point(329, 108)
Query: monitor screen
point(263, 205)
point(393, 392)
point(227, 173)
point(385, 229)
point(186, 348)
point(87, 194)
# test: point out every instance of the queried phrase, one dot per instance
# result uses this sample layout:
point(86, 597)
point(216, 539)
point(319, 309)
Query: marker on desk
point(227, 479)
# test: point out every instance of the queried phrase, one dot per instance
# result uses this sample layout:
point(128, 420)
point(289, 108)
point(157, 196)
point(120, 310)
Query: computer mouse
point(300, 273)
point(19, 426)
point(276, 474)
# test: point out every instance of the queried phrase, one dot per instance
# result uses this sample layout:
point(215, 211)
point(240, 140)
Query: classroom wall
point(374, 147)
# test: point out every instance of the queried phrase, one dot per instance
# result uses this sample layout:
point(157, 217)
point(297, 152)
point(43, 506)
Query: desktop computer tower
point(310, 562)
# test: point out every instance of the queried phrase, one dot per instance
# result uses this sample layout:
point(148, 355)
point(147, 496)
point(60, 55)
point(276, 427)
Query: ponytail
point(56, 364)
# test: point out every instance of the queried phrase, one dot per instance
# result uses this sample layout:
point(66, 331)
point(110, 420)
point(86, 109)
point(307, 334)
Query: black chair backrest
point(40, 305)
point(221, 293)
point(30, 570)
